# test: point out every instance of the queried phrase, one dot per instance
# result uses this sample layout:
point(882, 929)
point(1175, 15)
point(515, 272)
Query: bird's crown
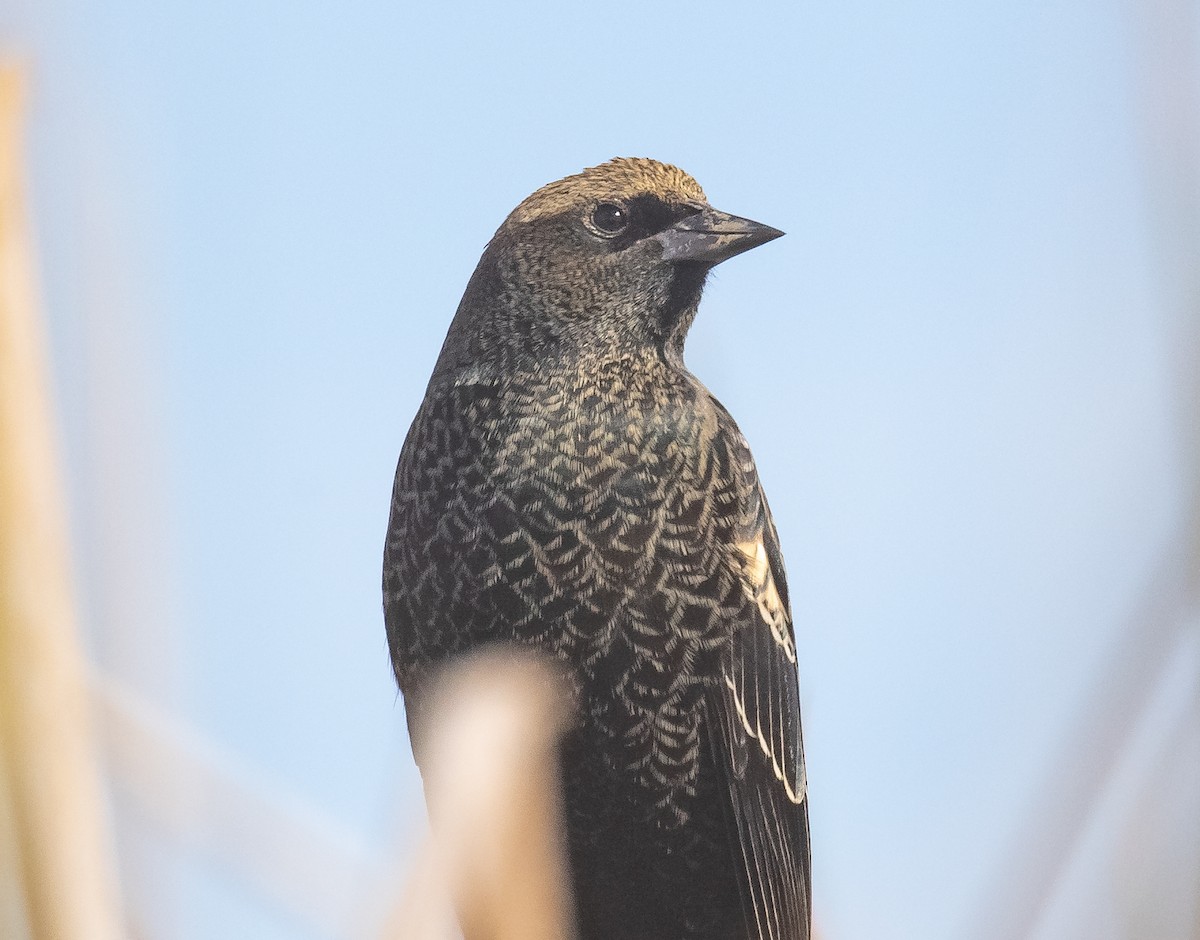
point(619, 178)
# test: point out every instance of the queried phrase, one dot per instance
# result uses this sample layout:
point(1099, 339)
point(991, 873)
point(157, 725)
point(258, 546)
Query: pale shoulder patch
point(759, 585)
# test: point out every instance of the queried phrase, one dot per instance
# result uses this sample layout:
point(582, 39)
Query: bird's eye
point(609, 219)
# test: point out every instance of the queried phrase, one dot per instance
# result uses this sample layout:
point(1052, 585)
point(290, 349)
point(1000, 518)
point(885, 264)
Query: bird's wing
point(757, 743)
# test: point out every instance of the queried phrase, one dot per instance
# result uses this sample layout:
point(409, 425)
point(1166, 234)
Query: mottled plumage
point(568, 483)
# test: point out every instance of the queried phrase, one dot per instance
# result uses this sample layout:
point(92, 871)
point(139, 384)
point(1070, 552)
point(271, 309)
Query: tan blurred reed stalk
point(490, 766)
point(57, 839)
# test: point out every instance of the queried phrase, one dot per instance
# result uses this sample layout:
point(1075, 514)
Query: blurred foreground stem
point(54, 840)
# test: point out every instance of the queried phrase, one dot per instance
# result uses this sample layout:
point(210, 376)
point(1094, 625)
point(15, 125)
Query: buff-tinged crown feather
point(619, 178)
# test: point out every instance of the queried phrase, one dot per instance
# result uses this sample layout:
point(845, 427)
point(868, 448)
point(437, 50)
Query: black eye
point(609, 219)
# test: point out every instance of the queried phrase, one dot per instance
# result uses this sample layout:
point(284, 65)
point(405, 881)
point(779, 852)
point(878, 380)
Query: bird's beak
point(711, 237)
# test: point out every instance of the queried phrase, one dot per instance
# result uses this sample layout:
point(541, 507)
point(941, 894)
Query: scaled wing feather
point(757, 737)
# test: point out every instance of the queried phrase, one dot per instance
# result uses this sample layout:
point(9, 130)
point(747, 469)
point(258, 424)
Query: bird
point(568, 484)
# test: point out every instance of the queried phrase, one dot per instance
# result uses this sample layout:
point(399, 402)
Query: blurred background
point(969, 375)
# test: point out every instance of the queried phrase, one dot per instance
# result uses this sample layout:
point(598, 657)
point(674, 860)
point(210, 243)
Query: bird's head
point(609, 259)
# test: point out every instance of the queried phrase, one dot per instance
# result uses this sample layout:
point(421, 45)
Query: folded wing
point(757, 742)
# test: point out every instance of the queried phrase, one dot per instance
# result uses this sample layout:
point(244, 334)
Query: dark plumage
point(568, 483)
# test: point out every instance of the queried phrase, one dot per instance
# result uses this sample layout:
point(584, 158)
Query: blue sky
point(256, 221)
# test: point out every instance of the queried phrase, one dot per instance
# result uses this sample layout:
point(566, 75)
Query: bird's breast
point(589, 523)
